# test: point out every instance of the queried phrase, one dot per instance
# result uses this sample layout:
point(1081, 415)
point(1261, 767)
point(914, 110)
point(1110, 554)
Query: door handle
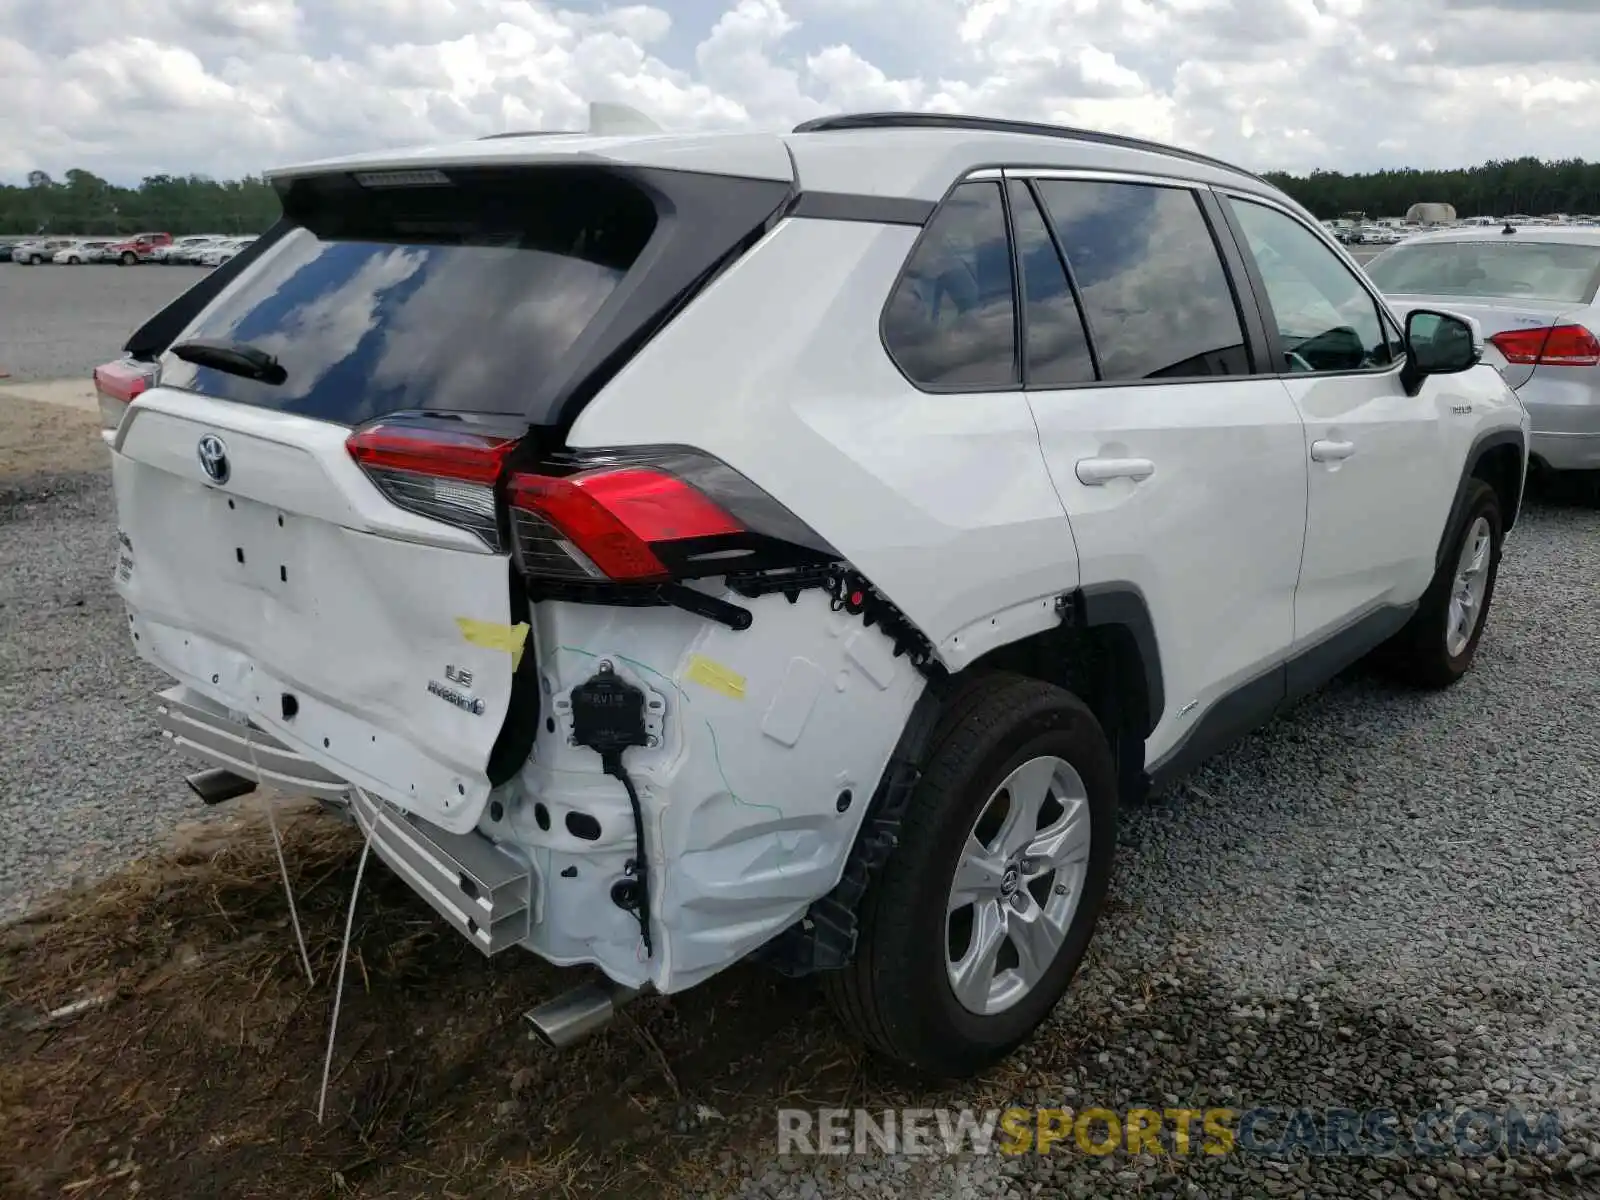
point(1325, 451)
point(1095, 471)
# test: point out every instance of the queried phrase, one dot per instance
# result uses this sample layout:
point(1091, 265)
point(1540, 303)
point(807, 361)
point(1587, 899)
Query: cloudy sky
point(127, 88)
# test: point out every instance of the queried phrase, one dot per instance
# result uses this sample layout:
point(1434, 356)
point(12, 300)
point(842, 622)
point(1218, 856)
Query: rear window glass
point(453, 298)
point(1506, 270)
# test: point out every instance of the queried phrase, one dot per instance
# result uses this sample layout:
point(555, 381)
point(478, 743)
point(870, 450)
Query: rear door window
point(458, 298)
point(1154, 290)
point(1056, 345)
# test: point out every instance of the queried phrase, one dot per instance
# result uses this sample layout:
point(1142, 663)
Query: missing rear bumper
point(203, 730)
point(486, 893)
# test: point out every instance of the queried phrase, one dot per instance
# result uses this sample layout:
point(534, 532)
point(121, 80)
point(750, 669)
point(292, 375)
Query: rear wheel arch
point(888, 992)
point(1105, 651)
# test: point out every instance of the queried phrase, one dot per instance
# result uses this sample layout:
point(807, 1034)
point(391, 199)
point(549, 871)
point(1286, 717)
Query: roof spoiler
point(605, 119)
point(619, 118)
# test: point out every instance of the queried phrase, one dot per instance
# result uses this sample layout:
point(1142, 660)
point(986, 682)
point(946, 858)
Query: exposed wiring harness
point(608, 717)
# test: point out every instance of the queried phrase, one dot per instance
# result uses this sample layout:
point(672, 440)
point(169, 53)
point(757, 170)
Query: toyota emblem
point(214, 458)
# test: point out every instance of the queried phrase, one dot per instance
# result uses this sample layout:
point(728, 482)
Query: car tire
point(1438, 644)
point(129, 258)
point(898, 995)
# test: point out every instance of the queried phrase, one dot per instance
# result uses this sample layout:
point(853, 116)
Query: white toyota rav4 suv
point(673, 550)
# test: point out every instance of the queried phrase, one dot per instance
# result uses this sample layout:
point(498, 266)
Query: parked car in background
point(5, 248)
point(183, 250)
point(193, 254)
point(39, 250)
point(1533, 292)
point(139, 248)
point(89, 251)
point(223, 250)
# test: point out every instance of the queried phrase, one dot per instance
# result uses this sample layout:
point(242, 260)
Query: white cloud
point(133, 87)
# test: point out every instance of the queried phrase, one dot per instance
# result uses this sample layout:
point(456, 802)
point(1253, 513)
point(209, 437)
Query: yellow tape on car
point(492, 636)
point(712, 674)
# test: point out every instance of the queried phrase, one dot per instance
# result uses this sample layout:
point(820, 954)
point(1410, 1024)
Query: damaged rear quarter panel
point(942, 501)
point(773, 742)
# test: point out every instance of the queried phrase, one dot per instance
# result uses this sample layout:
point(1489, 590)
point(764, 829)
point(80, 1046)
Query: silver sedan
point(1532, 289)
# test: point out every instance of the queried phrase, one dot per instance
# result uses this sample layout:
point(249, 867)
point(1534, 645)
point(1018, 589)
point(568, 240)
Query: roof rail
point(928, 120)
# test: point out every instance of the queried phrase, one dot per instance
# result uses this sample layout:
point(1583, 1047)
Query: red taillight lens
point(443, 473)
point(117, 383)
point(601, 524)
point(1560, 346)
point(445, 453)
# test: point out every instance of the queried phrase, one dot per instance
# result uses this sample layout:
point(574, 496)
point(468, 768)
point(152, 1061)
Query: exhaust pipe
point(218, 785)
point(574, 1015)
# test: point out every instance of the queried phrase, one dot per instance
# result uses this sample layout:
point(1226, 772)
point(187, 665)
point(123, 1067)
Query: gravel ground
point(1380, 900)
point(85, 781)
point(62, 322)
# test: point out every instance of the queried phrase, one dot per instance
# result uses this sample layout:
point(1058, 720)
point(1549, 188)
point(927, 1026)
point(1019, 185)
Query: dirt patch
point(191, 1047)
point(38, 438)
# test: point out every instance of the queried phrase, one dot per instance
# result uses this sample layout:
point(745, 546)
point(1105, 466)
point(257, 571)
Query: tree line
point(1525, 186)
point(82, 202)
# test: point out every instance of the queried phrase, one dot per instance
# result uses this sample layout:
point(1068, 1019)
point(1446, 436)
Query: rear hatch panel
point(296, 579)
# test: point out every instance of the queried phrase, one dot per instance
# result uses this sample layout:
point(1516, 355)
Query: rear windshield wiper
point(236, 358)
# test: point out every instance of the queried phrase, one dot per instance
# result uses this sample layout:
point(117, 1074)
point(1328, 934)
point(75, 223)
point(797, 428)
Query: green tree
point(84, 203)
point(1495, 189)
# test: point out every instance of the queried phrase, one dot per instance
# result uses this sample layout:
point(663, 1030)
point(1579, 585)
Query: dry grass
point(38, 437)
point(190, 1059)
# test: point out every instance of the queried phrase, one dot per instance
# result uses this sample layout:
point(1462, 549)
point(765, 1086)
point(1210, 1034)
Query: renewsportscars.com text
point(1266, 1130)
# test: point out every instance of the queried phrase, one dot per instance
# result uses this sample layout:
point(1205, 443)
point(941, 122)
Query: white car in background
point(40, 250)
point(183, 250)
point(223, 250)
point(82, 252)
point(237, 245)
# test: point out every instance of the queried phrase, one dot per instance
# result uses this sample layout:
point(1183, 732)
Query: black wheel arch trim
point(1123, 604)
point(1481, 446)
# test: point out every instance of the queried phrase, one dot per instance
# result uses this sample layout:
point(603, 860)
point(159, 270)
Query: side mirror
point(1439, 343)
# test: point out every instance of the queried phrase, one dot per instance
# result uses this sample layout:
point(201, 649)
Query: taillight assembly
point(609, 523)
point(437, 471)
point(647, 517)
point(1557, 346)
point(116, 384)
point(651, 516)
